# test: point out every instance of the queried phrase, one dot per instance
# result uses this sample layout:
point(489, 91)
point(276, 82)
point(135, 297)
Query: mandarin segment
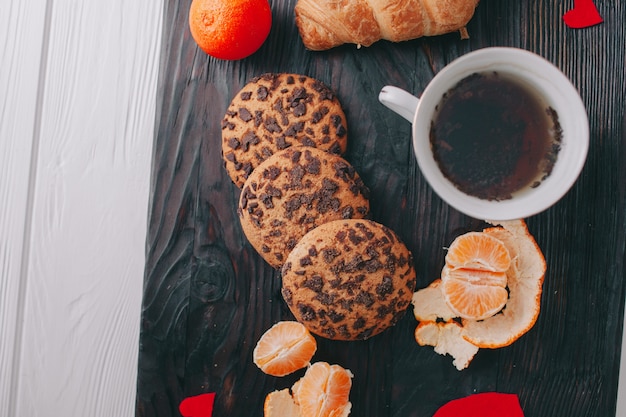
point(284, 348)
point(477, 250)
point(324, 391)
point(473, 294)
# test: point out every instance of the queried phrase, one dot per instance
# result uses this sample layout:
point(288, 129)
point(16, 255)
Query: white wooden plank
point(21, 40)
point(621, 388)
point(82, 302)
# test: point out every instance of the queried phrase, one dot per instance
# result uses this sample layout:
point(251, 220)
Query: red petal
point(488, 404)
point(198, 406)
point(584, 14)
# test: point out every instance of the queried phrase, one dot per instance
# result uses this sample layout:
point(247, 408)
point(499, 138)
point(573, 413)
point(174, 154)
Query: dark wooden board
point(208, 296)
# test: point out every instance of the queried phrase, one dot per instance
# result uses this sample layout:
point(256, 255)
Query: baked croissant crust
point(324, 24)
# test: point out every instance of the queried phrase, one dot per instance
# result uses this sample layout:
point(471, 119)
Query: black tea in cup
point(492, 136)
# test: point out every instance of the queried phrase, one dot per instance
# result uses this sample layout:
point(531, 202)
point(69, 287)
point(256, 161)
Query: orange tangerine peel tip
point(284, 348)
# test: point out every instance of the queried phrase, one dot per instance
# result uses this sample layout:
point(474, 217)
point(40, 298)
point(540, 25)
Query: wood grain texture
point(22, 38)
point(208, 296)
point(78, 88)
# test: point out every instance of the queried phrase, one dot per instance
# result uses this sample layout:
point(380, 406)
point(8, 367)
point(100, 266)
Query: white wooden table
point(77, 106)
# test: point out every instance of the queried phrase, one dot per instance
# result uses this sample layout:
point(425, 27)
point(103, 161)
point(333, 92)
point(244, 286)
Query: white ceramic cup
point(558, 93)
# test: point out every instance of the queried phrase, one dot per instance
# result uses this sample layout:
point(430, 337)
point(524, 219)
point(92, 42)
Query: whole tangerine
point(230, 29)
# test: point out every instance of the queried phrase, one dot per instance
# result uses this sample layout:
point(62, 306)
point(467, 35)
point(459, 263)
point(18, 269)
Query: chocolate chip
point(247, 169)
point(288, 296)
point(324, 92)
point(295, 156)
point(354, 238)
point(307, 312)
point(273, 191)
point(271, 173)
point(266, 199)
point(290, 79)
point(335, 149)
point(305, 261)
point(291, 243)
point(329, 254)
point(314, 283)
point(307, 141)
point(330, 332)
point(343, 331)
point(314, 165)
point(299, 110)
point(341, 131)
point(246, 95)
point(367, 333)
point(369, 235)
point(365, 298)
point(234, 143)
point(271, 125)
point(295, 175)
point(281, 143)
point(244, 114)
point(358, 323)
point(385, 287)
point(336, 317)
point(230, 157)
point(316, 117)
point(249, 138)
point(262, 93)
point(258, 118)
point(294, 129)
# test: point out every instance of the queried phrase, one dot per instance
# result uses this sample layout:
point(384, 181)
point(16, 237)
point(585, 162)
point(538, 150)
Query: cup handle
point(399, 100)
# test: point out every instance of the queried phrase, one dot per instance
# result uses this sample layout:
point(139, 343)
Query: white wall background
point(77, 105)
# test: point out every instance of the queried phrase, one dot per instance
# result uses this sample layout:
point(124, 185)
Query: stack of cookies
point(304, 208)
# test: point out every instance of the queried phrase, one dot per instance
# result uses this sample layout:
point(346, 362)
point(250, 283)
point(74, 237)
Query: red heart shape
point(487, 404)
point(584, 14)
point(198, 406)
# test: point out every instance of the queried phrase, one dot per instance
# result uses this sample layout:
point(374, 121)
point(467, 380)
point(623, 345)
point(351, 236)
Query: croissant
point(324, 24)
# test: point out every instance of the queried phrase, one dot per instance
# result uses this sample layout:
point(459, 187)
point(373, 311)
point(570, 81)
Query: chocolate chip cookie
point(348, 279)
point(274, 112)
point(294, 191)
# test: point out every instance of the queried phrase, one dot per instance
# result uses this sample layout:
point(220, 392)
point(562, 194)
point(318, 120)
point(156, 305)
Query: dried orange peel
point(441, 325)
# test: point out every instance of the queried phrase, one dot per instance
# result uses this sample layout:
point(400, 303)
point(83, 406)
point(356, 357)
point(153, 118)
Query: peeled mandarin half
point(284, 348)
point(474, 279)
point(324, 391)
